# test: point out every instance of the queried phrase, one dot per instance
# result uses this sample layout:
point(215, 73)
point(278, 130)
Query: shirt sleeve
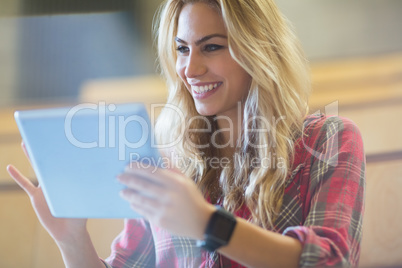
point(133, 247)
point(334, 199)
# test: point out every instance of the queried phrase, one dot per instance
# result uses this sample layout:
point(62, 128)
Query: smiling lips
point(202, 90)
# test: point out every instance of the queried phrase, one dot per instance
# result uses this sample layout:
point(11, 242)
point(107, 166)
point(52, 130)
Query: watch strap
point(219, 230)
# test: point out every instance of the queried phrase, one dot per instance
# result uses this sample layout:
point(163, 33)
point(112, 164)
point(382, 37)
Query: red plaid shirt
point(322, 208)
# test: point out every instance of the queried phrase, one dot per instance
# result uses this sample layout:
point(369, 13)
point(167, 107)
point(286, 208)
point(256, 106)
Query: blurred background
point(49, 48)
point(59, 52)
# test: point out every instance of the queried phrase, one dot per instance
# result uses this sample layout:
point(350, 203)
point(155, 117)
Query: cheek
point(239, 78)
point(245, 80)
point(241, 84)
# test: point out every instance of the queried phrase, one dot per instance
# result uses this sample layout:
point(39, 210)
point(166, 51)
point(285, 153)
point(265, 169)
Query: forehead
point(197, 20)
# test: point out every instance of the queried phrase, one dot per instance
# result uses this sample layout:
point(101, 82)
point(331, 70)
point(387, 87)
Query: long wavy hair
point(262, 42)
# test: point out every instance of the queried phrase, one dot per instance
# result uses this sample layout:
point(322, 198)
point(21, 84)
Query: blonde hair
point(263, 44)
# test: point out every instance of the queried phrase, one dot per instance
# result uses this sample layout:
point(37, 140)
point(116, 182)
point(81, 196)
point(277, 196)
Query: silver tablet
point(78, 151)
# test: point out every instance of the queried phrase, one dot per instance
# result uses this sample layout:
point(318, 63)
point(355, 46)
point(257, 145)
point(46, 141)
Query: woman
point(292, 185)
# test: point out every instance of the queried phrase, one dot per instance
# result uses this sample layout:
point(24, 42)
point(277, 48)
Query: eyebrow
point(203, 39)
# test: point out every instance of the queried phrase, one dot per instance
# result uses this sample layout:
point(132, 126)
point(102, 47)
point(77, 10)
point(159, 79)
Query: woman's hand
point(166, 198)
point(70, 235)
point(62, 230)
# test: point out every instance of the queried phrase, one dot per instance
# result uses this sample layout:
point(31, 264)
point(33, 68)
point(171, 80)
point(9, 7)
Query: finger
point(21, 180)
point(147, 214)
point(24, 149)
point(157, 175)
point(139, 201)
point(145, 172)
point(142, 185)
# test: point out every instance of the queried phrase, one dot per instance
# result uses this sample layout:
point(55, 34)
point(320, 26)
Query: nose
point(195, 65)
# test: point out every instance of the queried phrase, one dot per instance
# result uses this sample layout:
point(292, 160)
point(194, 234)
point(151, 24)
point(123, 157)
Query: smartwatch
point(219, 230)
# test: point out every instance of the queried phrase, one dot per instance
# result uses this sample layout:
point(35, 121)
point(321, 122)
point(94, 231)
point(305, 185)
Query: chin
point(205, 112)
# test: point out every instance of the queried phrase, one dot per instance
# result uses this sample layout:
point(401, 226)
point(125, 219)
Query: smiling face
point(214, 79)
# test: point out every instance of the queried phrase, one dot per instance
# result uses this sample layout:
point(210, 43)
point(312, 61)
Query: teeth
point(206, 88)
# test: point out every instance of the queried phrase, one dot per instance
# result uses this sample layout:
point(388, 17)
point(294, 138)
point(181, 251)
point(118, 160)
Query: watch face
point(222, 228)
point(219, 229)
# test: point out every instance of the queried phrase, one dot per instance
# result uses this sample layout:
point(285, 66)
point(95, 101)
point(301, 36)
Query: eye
point(182, 49)
point(212, 47)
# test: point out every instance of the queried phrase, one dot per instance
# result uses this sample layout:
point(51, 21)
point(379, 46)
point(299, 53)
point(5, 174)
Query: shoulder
point(326, 135)
point(317, 125)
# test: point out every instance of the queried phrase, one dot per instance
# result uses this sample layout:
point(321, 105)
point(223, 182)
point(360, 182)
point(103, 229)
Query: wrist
point(72, 241)
point(204, 219)
point(78, 251)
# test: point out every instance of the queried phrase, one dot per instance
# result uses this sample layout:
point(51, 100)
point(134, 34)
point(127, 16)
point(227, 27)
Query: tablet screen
point(77, 152)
